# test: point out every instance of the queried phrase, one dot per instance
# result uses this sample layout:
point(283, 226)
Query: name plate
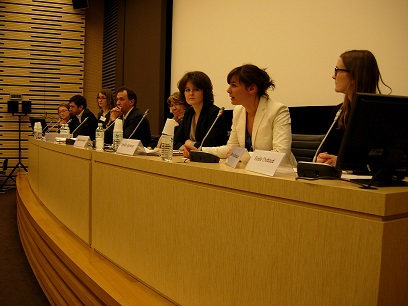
point(50, 137)
point(131, 147)
point(235, 156)
point(81, 141)
point(265, 162)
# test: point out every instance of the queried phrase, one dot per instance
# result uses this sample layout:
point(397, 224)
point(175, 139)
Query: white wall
point(298, 42)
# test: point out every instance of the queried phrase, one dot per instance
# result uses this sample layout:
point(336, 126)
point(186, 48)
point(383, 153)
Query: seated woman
point(258, 121)
point(106, 102)
point(356, 71)
point(196, 89)
point(178, 109)
point(66, 117)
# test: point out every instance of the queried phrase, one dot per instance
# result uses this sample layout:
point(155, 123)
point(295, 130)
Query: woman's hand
point(326, 158)
point(188, 146)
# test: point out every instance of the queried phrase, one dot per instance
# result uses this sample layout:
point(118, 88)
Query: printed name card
point(265, 162)
point(81, 141)
point(131, 147)
point(50, 137)
point(235, 156)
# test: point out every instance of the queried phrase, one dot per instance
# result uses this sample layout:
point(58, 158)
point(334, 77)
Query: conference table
point(208, 234)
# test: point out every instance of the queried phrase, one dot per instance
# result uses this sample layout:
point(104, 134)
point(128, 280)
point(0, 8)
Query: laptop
point(33, 120)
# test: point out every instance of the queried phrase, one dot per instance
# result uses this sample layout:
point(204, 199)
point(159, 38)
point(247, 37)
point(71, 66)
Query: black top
point(335, 137)
point(132, 120)
point(89, 127)
point(218, 135)
point(104, 122)
point(248, 141)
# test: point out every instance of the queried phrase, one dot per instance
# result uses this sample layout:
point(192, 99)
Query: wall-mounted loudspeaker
point(80, 4)
point(26, 107)
point(12, 106)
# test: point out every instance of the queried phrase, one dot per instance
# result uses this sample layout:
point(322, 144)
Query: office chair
point(304, 146)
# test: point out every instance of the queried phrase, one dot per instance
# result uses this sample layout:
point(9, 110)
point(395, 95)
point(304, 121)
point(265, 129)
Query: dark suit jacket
point(132, 120)
point(218, 135)
point(89, 127)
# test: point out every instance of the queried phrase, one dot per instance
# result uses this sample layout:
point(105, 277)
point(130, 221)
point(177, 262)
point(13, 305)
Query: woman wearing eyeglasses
point(177, 107)
point(65, 117)
point(106, 102)
point(356, 71)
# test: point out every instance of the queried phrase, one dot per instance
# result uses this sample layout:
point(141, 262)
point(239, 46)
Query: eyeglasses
point(175, 105)
point(336, 70)
point(63, 111)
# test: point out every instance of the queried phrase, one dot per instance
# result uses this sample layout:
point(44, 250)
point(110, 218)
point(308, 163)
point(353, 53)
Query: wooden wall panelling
point(41, 58)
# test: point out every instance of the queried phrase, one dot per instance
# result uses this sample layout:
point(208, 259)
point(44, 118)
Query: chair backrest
point(304, 146)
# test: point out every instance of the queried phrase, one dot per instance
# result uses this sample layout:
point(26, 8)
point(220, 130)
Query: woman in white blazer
point(259, 123)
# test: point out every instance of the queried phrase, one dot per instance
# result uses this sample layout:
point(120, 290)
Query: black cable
point(364, 186)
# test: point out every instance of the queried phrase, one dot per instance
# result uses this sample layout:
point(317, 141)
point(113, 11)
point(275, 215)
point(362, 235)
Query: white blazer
point(271, 131)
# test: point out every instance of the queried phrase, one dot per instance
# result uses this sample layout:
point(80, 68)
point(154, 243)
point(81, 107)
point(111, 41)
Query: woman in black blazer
point(196, 89)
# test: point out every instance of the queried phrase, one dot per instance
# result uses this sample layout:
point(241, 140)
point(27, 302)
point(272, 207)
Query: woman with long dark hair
point(356, 71)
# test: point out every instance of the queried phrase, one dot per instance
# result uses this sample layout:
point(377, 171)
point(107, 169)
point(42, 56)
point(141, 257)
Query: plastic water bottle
point(117, 134)
point(99, 137)
point(63, 129)
point(37, 130)
point(166, 147)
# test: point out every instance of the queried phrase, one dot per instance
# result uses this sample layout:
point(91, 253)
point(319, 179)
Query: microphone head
point(147, 111)
point(338, 114)
point(221, 111)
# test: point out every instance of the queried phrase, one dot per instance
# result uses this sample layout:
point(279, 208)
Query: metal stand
point(20, 163)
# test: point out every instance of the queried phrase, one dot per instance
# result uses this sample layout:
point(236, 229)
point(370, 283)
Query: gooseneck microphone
point(221, 111)
point(79, 126)
point(50, 129)
point(205, 157)
point(43, 130)
point(319, 170)
point(327, 134)
point(144, 116)
point(109, 125)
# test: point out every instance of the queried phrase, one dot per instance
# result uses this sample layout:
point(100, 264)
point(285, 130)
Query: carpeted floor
point(18, 285)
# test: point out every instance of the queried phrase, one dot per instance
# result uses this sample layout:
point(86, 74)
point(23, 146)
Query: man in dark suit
point(126, 110)
point(77, 108)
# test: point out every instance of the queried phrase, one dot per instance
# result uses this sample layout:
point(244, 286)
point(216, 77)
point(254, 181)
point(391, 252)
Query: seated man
point(126, 110)
point(77, 107)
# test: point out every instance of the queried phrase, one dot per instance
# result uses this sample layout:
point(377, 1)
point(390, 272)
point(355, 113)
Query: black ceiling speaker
point(80, 4)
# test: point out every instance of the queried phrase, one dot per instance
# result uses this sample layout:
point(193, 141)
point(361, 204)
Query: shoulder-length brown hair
point(110, 100)
point(201, 81)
